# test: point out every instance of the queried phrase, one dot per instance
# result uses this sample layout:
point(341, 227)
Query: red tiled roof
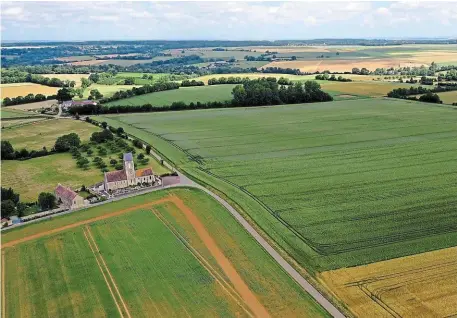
point(144, 172)
point(114, 176)
point(65, 192)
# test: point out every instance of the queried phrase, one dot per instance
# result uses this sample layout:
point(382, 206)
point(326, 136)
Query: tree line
point(257, 92)
point(63, 144)
point(30, 98)
point(16, 76)
point(146, 89)
point(327, 77)
point(404, 92)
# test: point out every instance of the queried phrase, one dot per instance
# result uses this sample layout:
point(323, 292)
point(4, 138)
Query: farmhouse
point(128, 176)
point(72, 103)
point(68, 198)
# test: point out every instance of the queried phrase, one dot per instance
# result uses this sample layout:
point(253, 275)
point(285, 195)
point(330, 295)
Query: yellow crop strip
point(411, 286)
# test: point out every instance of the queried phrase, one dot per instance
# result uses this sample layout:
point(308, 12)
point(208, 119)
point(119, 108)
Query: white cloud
point(104, 17)
point(12, 11)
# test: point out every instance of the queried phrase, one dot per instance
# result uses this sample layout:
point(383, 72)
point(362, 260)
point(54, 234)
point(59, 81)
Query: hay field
point(341, 65)
point(12, 123)
point(68, 77)
point(448, 97)
point(378, 174)
point(183, 94)
point(370, 89)
point(39, 135)
point(23, 89)
point(76, 58)
point(157, 254)
point(205, 78)
point(31, 177)
point(422, 285)
point(34, 106)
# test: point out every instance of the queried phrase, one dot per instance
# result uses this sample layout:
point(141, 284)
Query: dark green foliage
point(187, 83)
point(65, 142)
point(103, 136)
point(7, 150)
point(65, 94)
point(137, 143)
point(119, 166)
point(8, 208)
point(148, 149)
point(430, 98)
point(9, 194)
point(113, 162)
point(46, 201)
point(140, 156)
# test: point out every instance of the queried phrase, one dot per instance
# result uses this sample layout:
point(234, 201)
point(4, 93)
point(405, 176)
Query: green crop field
point(149, 260)
point(183, 94)
point(335, 184)
point(448, 97)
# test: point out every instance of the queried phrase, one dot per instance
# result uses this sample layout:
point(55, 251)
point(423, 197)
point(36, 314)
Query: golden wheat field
point(344, 65)
point(421, 285)
point(372, 89)
point(23, 89)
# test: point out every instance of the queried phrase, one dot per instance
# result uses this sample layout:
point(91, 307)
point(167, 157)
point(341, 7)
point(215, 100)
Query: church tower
point(129, 168)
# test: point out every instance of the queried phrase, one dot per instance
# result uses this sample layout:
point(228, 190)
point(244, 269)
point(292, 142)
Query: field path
point(248, 296)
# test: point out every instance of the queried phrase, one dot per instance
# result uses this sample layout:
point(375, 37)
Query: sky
point(239, 20)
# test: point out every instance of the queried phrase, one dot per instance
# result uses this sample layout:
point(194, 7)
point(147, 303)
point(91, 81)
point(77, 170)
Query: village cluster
point(115, 183)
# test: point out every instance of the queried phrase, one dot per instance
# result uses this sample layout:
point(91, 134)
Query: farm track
point(103, 274)
point(213, 272)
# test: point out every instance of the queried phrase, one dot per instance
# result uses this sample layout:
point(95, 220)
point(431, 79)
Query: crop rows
point(357, 181)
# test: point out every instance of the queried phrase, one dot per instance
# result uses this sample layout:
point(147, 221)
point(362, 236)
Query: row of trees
point(239, 80)
point(264, 91)
point(16, 76)
point(404, 92)
point(146, 89)
point(188, 83)
point(63, 144)
point(11, 204)
point(327, 77)
point(30, 98)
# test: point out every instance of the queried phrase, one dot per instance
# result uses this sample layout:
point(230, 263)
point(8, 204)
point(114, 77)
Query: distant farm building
point(128, 176)
point(75, 103)
point(68, 198)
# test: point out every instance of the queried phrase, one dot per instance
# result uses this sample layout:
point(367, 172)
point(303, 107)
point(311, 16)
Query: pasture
point(31, 177)
point(183, 94)
point(8, 113)
point(334, 184)
point(15, 122)
point(412, 286)
point(44, 134)
point(168, 253)
point(23, 89)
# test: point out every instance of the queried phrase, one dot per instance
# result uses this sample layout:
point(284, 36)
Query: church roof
point(128, 156)
point(144, 172)
point(64, 192)
point(113, 176)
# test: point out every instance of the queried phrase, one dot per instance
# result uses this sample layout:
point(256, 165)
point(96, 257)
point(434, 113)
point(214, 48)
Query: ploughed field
point(171, 253)
point(194, 94)
point(335, 184)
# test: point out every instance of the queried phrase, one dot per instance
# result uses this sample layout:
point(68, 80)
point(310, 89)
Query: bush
point(65, 142)
point(46, 201)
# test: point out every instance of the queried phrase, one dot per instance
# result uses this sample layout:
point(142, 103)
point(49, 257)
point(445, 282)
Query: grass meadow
point(183, 94)
point(7, 113)
point(146, 260)
point(44, 134)
point(335, 184)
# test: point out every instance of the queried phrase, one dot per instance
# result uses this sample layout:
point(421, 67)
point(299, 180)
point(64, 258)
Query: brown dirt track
point(229, 270)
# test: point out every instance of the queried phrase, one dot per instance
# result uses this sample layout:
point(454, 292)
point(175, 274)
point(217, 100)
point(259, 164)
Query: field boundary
point(108, 271)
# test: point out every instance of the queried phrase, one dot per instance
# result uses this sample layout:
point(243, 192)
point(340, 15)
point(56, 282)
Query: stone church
point(128, 176)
